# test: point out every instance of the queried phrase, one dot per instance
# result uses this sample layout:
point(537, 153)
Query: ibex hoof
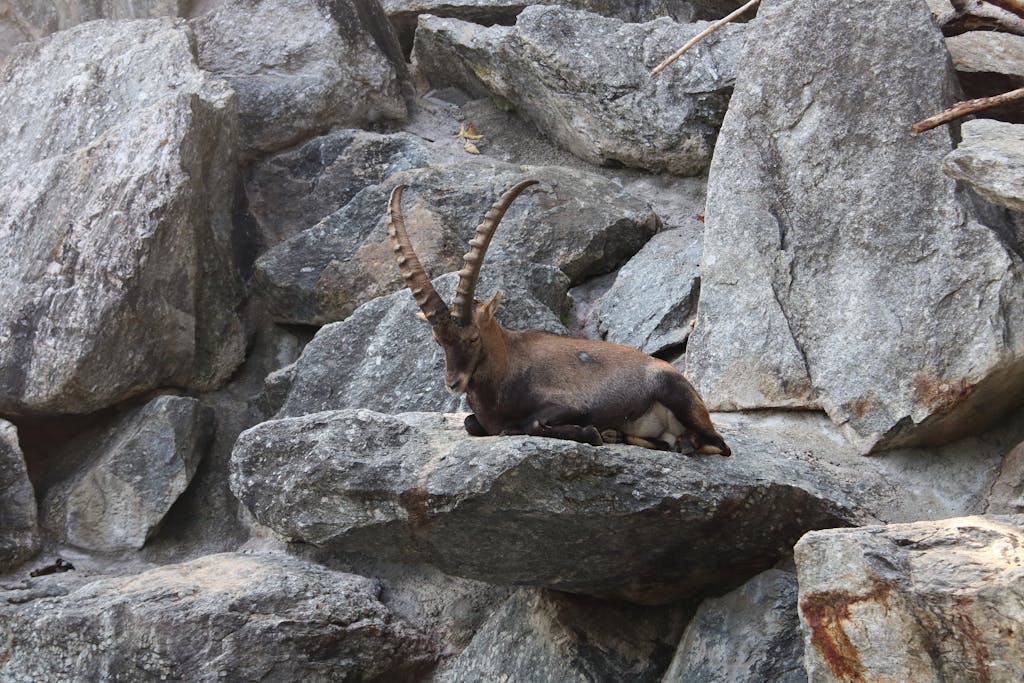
point(611, 436)
point(591, 435)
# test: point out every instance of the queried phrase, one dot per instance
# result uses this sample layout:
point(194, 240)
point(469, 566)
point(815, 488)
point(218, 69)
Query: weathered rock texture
point(750, 635)
point(576, 221)
point(39, 19)
point(1007, 493)
point(615, 522)
point(294, 190)
point(990, 158)
point(930, 601)
point(988, 52)
point(583, 80)
point(384, 358)
point(19, 532)
point(221, 617)
point(653, 301)
point(547, 637)
point(133, 472)
point(115, 233)
point(841, 268)
point(405, 13)
point(300, 67)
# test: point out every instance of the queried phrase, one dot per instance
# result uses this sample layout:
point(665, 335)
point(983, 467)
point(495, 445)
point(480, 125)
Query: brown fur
point(530, 382)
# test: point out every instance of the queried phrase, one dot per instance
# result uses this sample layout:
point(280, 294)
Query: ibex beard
point(542, 384)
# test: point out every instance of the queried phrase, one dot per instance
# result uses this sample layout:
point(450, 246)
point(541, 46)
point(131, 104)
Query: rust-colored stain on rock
point(940, 395)
point(825, 613)
point(414, 500)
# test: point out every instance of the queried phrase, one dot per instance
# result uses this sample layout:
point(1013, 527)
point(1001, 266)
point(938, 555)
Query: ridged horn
point(462, 304)
point(429, 301)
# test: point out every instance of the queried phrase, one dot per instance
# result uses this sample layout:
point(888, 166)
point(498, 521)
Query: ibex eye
point(475, 337)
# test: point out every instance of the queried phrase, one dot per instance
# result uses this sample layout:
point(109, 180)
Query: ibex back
point(531, 382)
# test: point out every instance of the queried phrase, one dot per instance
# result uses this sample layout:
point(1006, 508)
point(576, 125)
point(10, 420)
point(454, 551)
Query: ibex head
point(461, 331)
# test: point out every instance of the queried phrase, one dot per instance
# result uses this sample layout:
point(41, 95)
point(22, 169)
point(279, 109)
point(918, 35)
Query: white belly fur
point(657, 423)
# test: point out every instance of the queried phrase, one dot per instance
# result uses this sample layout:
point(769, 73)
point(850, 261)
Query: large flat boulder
point(383, 357)
point(583, 79)
point(115, 227)
point(578, 222)
point(928, 601)
point(301, 67)
point(222, 617)
point(19, 530)
point(842, 269)
point(614, 522)
point(131, 474)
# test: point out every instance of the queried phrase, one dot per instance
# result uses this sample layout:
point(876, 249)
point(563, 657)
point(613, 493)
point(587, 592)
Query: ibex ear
point(491, 306)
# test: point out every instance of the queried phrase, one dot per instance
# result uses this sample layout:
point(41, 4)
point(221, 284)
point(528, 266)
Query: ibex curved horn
point(462, 304)
point(429, 301)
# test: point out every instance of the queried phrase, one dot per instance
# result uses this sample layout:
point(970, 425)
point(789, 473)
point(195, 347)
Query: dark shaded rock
point(547, 637)
point(584, 81)
point(294, 190)
point(842, 270)
point(115, 229)
point(384, 358)
point(614, 521)
point(578, 222)
point(300, 67)
point(221, 617)
point(750, 635)
point(929, 601)
point(133, 471)
point(19, 531)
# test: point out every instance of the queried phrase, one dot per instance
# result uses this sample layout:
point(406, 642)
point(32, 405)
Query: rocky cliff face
point(226, 450)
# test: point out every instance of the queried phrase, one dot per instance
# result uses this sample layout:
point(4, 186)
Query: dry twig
point(1012, 6)
point(961, 109)
point(700, 36)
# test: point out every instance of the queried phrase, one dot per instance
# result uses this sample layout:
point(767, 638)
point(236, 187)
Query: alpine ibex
point(531, 382)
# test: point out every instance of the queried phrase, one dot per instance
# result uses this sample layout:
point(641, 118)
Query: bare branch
point(1013, 6)
point(961, 109)
point(700, 36)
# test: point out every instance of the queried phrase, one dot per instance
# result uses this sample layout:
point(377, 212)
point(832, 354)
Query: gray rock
point(1007, 493)
point(841, 269)
point(615, 522)
point(583, 80)
point(134, 472)
point(39, 19)
point(988, 52)
point(221, 617)
point(19, 531)
point(300, 67)
point(115, 228)
point(294, 190)
point(990, 159)
point(578, 222)
point(750, 635)
point(930, 601)
point(384, 358)
point(547, 637)
point(405, 13)
point(653, 301)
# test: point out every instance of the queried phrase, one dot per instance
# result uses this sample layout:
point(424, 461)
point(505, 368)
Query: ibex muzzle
point(532, 382)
